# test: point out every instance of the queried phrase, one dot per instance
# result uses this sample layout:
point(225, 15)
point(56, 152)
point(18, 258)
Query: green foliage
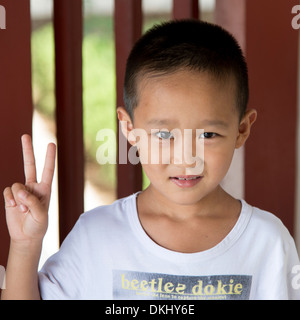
point(99, 97)
point(42, 52)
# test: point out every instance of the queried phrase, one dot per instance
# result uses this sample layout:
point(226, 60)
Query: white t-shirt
point(108, 255)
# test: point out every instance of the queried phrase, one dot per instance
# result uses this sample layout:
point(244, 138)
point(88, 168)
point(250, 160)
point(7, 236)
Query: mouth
point(186, 177)
point(186, 181)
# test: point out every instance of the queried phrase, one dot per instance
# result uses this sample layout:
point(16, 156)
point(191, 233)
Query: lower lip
point(186, 183)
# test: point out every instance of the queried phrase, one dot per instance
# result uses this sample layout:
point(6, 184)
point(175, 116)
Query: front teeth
point(188, 178)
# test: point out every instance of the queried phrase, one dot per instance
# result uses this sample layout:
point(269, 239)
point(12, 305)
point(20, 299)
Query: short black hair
point(186, 45)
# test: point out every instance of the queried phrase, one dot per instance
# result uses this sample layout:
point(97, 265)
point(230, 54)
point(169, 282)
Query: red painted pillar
point(264, 31)
point(183, 9)
point(15, 101)
point(68, 67)
point(128, 29)
point(231, 15)
point(272, 54)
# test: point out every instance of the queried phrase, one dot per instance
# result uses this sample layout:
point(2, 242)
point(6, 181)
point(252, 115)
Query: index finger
point(28, 159)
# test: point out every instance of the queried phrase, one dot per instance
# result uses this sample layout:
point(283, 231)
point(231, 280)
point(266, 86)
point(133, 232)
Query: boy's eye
point(164, 135)
point(208, 135)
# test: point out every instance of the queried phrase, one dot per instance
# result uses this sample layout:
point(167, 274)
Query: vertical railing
point(15, 101)
point(68, 69)
point(128, 28)
point(272, 55)
point(270, 45)
point(183, 9)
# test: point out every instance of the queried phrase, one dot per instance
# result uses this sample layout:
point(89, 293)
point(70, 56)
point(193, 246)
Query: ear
point(245, 127)
point(126, 124)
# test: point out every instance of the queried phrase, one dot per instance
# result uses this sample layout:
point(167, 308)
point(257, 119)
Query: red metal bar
point(15, 101)
point(68, 52)
point(183, 9)
point(265, 33)
point(128, 28)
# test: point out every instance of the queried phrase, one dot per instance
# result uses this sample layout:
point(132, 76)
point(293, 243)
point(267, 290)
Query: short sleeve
point(62, 276)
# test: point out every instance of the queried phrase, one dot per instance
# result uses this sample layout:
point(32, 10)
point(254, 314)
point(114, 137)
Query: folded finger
point(9, 198)
point(20, 194)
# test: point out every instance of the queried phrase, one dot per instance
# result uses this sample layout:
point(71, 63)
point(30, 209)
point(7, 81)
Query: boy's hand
point(27, 205)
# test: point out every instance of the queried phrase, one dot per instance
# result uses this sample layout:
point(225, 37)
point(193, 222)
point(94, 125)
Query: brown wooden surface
point(183, 9)
point(68, 51)
point(15, 101)
point(264, 31)
point(270, 159)
point(128, 28)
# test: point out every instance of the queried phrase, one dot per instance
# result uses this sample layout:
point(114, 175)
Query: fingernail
point(23, 208)
point(22, 194)
point(12, 203)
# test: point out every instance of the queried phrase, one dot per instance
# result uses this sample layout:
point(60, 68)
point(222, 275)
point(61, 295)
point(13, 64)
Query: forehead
point(185, 97)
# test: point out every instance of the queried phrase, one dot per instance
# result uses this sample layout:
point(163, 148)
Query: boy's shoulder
point(266, 224)
point(118, 210)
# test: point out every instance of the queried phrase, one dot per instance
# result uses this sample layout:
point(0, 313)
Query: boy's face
point(187, 100)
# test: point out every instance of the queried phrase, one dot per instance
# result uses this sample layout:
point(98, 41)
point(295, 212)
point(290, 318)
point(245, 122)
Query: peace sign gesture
point(27, 205)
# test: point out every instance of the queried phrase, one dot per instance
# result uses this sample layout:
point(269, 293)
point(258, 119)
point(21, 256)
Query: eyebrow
point(160, 122)
point(217, 123)
point(204, 123)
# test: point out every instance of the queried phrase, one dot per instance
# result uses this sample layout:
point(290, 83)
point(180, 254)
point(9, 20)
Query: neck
point(208, 207)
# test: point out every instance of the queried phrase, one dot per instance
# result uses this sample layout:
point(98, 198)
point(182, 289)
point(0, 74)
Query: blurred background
point(265, 173)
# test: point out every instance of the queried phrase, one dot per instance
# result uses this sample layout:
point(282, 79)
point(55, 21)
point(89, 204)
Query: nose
point(189, 152)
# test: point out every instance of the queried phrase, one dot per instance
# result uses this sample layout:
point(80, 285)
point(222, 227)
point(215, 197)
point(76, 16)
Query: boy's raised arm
point(27, 220)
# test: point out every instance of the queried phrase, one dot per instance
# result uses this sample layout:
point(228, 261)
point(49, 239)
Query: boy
point(183, 237)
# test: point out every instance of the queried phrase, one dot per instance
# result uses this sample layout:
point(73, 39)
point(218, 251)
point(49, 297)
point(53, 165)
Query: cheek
point(156, 173)
point(151, 160)
point(217, 160)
